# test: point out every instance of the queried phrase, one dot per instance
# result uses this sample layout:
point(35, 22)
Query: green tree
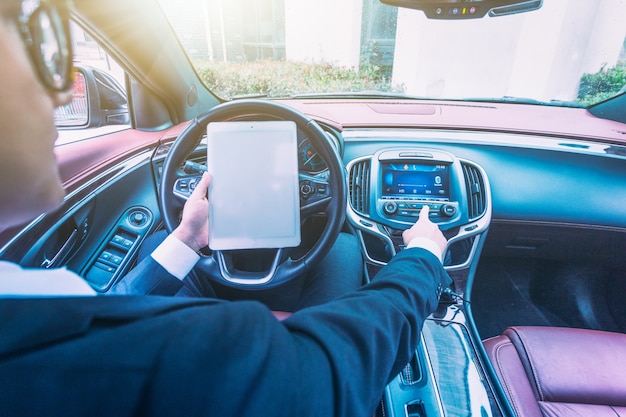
point(602, 85)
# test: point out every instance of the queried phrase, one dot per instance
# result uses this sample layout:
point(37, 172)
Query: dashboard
point(471, 180)
point(386, 192)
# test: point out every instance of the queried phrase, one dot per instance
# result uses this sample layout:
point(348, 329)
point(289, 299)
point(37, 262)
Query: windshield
point(565, 53)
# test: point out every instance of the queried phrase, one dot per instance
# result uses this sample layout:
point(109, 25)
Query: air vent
point(476, 196)
point(359, 186)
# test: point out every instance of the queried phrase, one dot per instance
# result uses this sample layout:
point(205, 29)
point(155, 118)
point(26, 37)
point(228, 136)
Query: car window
point(100, 102)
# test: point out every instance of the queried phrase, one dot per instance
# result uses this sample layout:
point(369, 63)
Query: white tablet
point(254, 193)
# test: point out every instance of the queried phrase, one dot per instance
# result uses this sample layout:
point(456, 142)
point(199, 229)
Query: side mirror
point(98, 100)
point(467, 9)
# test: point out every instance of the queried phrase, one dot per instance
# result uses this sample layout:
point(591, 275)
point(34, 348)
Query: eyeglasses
point(44, 26)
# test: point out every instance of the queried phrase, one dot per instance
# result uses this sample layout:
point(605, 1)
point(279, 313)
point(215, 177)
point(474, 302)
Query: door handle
point(62, 253)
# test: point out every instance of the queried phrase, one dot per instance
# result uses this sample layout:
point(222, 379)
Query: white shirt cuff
point(429, 245)
point(18, 282)
point(177, 258)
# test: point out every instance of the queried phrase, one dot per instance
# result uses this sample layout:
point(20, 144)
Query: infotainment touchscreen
point(416, 180)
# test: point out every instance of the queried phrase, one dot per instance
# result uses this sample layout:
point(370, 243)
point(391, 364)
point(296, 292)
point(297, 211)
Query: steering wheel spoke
point(184, 186)
point(229, 273)
point(315, 195)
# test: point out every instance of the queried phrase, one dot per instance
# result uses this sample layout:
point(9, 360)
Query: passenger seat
point(550, 371)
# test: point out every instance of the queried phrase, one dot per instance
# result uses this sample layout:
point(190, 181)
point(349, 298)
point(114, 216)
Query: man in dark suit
point(64, 352)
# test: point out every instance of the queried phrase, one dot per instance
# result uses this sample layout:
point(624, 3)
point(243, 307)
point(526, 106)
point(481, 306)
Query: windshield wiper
point(525, 100)
point(358, 94)
point(247, 96)
point(379, 94)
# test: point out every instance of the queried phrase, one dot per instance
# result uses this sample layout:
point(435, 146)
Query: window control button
point(105, 267)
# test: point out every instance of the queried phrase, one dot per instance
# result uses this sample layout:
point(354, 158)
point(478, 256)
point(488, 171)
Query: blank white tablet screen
point(254, 193)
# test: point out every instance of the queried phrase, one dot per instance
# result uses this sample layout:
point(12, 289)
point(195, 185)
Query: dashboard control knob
point(448, 210)
point(390, 207)
point(139, 217)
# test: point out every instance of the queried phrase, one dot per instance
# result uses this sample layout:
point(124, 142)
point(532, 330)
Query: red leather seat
point(549, 371)
point(281, 315)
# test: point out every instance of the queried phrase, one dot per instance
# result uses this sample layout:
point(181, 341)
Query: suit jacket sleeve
point(163, 356)
point(383, 322)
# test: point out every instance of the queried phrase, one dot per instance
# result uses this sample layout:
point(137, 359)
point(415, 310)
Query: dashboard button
point(390, 207)
point(448, 210)
point(306, 189)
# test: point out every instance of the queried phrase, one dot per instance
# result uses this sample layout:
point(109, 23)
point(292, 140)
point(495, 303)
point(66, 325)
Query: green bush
point(284, 78)
point(602, 85)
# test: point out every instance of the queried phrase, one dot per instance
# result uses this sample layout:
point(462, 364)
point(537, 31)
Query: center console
point(386, 191)
point(446, 377)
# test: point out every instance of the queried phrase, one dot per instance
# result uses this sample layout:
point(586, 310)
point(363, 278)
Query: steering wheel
point(318, 195)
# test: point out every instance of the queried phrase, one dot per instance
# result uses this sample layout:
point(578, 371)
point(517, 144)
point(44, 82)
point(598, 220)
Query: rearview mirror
point(467, 9)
